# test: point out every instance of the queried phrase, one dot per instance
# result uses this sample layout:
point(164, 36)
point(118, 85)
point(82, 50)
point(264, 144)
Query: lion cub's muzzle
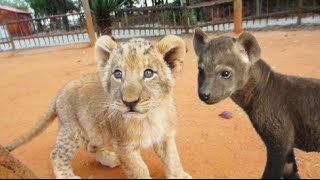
point(131, 104)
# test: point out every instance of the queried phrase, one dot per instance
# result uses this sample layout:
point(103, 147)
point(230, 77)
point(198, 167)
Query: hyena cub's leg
point(67, 142)
point(290, 168)
point(105, 157)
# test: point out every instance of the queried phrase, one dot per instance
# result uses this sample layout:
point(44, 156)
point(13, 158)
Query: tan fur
point(91, 109)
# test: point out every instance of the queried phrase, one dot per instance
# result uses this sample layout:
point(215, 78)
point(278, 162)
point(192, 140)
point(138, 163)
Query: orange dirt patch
point(209, 146)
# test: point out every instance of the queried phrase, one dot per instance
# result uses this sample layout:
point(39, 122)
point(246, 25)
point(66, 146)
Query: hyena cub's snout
point(204, 91)
point(209, 96)
point(210, 91)
point(204, 96)
point(204, 86)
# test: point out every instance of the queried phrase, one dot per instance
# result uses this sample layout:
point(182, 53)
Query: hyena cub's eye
point(225, 74)
point(148, 73)
point(117, 74)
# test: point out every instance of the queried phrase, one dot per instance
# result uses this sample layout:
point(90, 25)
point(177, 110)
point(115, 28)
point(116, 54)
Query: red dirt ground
point(210, 147)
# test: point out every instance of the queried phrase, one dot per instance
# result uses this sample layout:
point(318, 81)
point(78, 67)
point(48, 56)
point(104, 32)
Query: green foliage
point(19, 4)
point(130, 3)
point(52, 7)
point(192, 17)
point(176, 17)
point(176, 3)
point(102, 9)
point(196, 1)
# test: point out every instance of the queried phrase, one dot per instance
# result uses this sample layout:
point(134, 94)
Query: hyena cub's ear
point(199, 40)
point(251, 46)
point(103, 49)
point(173, 50)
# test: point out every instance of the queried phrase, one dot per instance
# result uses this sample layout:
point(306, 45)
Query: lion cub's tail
point(40, 126)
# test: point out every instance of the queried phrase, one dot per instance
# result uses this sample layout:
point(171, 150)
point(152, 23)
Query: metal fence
point(43, 32)
point(151, 21)
point(213, 16)
point(160, 20)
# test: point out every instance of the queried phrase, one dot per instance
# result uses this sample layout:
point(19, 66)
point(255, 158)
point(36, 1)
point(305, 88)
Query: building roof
point(11, 9)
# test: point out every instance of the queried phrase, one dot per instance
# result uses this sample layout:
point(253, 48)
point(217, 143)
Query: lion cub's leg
point(67, 142)
point(132, 163)
point(168, 153)
point(105, 157)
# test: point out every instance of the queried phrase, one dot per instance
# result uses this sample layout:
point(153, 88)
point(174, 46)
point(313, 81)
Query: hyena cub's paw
point(182, 175)
point(107, 158)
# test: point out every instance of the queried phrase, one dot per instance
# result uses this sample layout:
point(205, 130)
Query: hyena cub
point(283, 109)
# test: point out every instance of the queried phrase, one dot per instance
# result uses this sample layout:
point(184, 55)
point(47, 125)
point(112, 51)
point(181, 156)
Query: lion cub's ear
point(251, 46)
point(173, 50)
point(103, 49)
point(199, 40)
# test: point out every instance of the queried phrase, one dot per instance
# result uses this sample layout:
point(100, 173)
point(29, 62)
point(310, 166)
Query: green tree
point(19, 4)
point(130, 3)
point(102, 9)
point(53, 7)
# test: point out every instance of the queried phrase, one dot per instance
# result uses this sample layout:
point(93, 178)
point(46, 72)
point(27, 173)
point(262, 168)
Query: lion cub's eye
point(117, 74)
point(148, 73)
point(225, 74)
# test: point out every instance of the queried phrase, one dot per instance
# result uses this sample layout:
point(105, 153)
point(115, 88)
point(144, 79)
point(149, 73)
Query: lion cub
point(283, 109)
point(128, 103)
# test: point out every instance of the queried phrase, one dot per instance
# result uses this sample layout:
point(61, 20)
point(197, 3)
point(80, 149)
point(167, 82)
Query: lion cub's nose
point(131, 104)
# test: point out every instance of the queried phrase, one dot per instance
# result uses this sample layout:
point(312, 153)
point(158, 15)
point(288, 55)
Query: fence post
point(185, 15)
point(237, 7)
point(174, 19)
point(126, 19)
point(257, 7)
point(300, 12)
point(10, 38)
point(87, 13)
point(212, 16)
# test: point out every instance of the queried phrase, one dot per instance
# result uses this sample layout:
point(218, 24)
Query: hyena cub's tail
point(40, 126)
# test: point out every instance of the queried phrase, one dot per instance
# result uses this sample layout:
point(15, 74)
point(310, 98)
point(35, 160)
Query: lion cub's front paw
point(67, 176)
point(182, 175)
point(107, 158)
point(74, 177)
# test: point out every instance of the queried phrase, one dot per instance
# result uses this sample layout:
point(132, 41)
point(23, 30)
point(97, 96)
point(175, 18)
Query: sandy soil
point(210, 147)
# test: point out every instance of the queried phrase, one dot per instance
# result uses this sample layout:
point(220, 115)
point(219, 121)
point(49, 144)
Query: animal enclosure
point(212, 16)
point(209, 146)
